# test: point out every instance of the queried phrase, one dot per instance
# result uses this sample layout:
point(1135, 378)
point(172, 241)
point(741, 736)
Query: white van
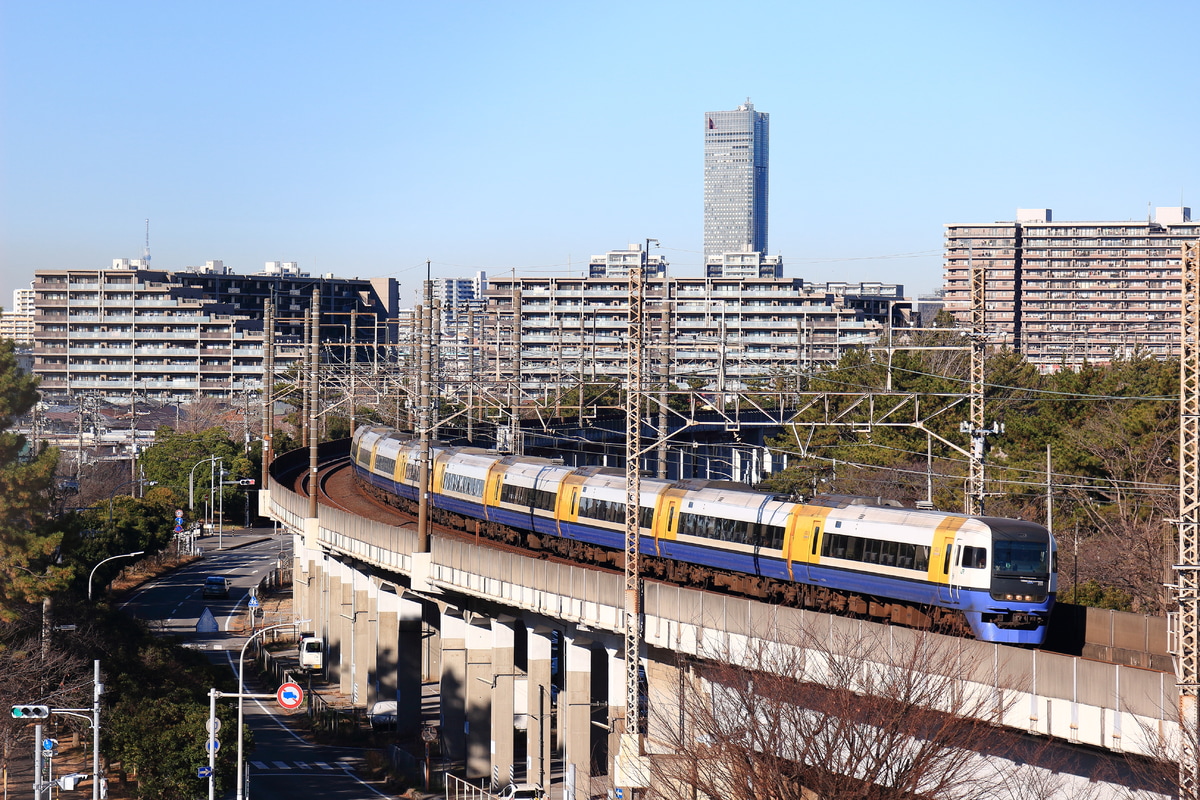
point(312, 653)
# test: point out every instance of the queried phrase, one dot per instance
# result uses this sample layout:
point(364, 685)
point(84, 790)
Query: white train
point(994, 576)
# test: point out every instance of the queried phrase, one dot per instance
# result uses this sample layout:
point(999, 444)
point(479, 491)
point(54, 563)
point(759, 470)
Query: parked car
point(522, 791)
point(312, 653)
point(216, 586)
point(383, 715)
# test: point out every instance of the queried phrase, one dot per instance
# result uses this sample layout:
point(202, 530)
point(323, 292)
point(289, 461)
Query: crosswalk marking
point(303, 765)
point(322, 765)
point(258, 765)
point(281, 765)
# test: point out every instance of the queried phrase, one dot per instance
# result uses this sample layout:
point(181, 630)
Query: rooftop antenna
point(146, 250)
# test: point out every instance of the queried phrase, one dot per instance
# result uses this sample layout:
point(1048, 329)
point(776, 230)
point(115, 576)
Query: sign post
point(290, 696)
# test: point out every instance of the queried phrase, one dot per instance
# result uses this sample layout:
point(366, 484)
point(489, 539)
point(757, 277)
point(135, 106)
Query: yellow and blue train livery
point(875, 559)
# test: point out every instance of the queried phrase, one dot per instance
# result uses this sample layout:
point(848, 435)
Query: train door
point(805, 543)
point(943, 565)
point(666, 520)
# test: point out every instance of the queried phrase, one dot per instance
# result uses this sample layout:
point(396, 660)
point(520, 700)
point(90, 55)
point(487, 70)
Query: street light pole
point(97, 690)
point(105, 561)
point(241, 775)
point(191, 484)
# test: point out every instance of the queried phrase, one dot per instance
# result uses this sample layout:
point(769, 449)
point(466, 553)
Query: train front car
point(1023, 582)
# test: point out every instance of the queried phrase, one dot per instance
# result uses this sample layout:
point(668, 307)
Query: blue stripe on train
point(973, 603)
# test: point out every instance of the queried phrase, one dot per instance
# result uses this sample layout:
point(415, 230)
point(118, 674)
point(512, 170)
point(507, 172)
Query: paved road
point(283, 766)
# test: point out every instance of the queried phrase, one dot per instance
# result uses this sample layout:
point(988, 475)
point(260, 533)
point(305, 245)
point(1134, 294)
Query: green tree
point(164, 741)
point(173, 456)
point(29, 542)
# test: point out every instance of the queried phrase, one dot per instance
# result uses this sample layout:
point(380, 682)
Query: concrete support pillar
point(537, 768)
point(363, 619)
point(385, 671)
point(309, 572)
point(454, 688)
point(503, 699)
point(409, 698)
point(575, 715)
point(337, 659)
point(431, 644)
point(616, 698)
point(479, 700)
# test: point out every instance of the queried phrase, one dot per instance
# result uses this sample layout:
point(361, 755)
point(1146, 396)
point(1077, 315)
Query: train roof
point(847, 500)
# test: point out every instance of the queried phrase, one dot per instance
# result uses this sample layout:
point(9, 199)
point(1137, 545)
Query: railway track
point(337, 488)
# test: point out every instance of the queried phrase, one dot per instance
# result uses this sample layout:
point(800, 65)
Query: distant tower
point(735, 180)
point(146, 250)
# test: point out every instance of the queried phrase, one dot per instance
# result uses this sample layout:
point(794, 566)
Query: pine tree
point(28, 540)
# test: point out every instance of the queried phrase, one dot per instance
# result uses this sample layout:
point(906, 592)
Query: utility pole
point(1187, 661)
point(664, 351)
point(471, 374)
point(514, 397)
point(353, 366)
point(314, 355)
point(424, 319)
point(268, 397)
point(435, 365)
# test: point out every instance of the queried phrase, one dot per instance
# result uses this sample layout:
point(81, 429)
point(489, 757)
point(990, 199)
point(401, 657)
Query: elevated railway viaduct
point(527, 652)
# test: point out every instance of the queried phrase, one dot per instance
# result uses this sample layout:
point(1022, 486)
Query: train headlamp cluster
point(1020, 598)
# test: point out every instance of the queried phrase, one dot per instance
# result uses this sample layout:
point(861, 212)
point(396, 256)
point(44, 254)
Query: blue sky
point(362, 138)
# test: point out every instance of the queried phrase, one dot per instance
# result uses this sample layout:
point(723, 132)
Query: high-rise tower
point(735, 180)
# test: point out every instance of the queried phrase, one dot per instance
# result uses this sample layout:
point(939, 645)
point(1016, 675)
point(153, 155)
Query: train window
point(946, 565)
point(462, 484)
point(1021, 557)
point(816, 537)
point(412, 470)
point(921, 557)
point(773, 536)
point(855, 547)
point(871, 551)
point(974, 557)
point(670, 518)
point(874, 551)
point(574, 500)
point(385, 465)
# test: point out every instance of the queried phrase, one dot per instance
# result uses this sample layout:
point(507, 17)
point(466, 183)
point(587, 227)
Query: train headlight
point(1009, 597)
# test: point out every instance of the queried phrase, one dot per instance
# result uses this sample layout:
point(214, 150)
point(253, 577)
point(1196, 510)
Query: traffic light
point(245, 481)
point(30, 712)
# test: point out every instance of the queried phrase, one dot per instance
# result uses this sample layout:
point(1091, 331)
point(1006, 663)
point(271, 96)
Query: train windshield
point(1025, 558)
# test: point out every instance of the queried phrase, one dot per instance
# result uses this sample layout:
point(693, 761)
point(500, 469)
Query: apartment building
point(1062, 293)
point(743, 265)
point(616, 263)
point(178, 336)
point(458, 295)
point(722, 332)
point(16, 323)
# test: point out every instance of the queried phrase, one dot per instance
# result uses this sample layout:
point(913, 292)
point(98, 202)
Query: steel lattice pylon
point(630, 773)
point(1186, 659)
point(975, 489)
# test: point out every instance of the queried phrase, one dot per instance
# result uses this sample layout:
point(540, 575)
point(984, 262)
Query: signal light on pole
point(30, 712)
point(245, 481)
